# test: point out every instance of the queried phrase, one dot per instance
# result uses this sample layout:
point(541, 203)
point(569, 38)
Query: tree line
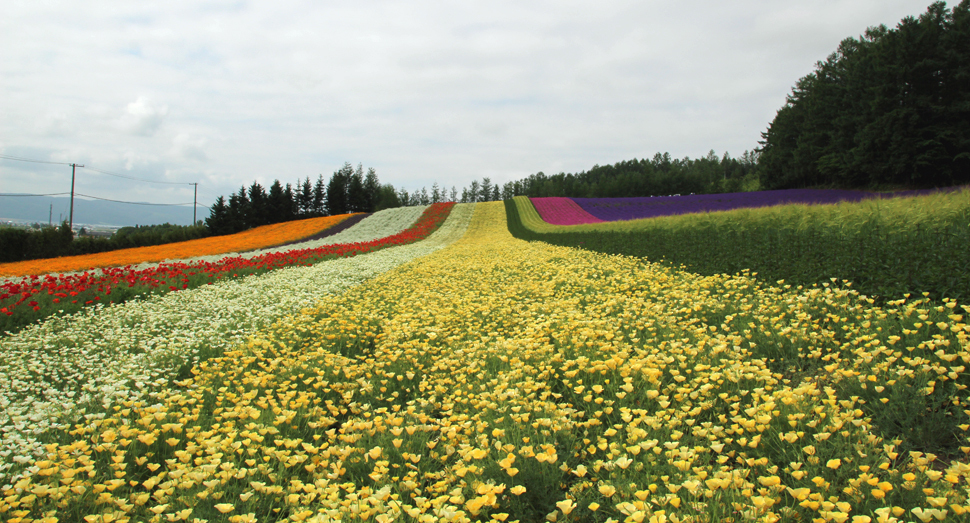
point(891, 108)
point(19, 244)
point(348, 190)
point(659, 176)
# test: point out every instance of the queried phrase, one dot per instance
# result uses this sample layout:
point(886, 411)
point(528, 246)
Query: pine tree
point(304, 198)
point(238, 211)
point(319, 203)
point(357, 198)
point(486, 189)
point(337, 201)
point(259, 208)
point(474, 192)
point(217, 222)
point(372, 189)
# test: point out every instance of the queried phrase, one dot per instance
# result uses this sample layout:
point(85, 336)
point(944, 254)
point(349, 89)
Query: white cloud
point(189, 148)
point(143, 117)
point(56, 124)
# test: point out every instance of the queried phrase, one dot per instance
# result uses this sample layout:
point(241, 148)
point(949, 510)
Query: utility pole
point(73, 167)
point(50, 215)
point(195, 198)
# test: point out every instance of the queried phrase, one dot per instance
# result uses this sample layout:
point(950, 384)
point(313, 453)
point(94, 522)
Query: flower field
point(82, 364)
point(501, 380)
point(382, 224)
point(256, 238)
point(617, 209)
point(66, 294)
point(562, 211)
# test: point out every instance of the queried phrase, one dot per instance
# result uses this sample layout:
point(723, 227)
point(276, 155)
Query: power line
point(104, 199)
point(8, 157)
point(132, 203)
point(133, 178)
point(52, 194)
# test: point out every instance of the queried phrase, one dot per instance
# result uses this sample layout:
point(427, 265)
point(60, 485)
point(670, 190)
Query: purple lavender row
point(615, 209)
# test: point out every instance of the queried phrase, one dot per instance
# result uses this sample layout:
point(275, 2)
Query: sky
point(223, 92)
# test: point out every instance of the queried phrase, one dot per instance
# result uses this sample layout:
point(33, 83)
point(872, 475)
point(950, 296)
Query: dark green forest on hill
point(891, 108)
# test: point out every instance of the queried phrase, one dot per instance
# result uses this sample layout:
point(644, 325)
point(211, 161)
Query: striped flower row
point(82, 364)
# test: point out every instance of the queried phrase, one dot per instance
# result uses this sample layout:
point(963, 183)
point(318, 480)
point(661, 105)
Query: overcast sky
point(226, 92)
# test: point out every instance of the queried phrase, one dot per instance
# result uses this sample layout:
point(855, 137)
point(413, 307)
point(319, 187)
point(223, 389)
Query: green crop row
point(885, 247)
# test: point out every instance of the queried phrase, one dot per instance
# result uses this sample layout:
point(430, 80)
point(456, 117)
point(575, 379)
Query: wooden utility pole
point(195, 198)
point(74, 166)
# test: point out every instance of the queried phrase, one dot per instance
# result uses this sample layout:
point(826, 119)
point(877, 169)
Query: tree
point(337, 202)
point(319, 206)
point(218, 220)
point(279, 203)
point(238, 211)
point(387, 198)
point(474, 194)
point(454, 194)
point(304, 198)
point(486, 189)
point(889, 108)
point(436, 195)
point(403, 197)
point(372, 188)
point(259, 204)
point(357, 198)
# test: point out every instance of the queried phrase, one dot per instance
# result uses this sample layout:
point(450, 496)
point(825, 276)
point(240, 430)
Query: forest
point(888, 109)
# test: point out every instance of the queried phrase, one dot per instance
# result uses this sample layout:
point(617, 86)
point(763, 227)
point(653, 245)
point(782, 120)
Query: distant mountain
point(94, 212)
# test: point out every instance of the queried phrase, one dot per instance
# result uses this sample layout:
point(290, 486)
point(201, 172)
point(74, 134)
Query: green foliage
point(885, 248)
point(18, 244)
point(889, 108)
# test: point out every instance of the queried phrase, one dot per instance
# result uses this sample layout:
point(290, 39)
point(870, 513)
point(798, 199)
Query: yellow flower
point(224, 507)
point(834, 463)
point(607, 490)
point(518, 490)
point(769, 481)
point(566, 506)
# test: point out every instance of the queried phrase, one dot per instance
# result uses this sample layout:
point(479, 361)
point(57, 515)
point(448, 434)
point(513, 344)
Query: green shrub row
point(50, 242)
point(886, 248)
